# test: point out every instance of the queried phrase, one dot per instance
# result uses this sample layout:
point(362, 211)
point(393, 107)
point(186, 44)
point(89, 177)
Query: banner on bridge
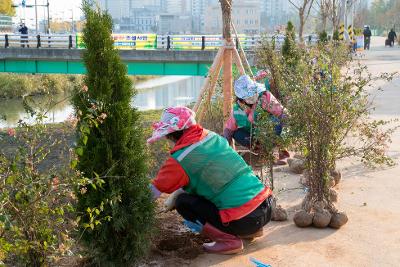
point(212, 42)
point(127, 41)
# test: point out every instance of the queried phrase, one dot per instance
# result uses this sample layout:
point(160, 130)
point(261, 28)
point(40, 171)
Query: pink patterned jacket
point(268, 103)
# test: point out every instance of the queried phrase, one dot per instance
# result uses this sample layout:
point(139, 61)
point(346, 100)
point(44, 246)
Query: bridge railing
point(37, 41)
point(160, 42)
point(202, 42)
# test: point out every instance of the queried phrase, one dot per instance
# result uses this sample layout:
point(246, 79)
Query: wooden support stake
point(227, 92)
point(211, 89)
point(238, 61)
point(211, 72)
point(242, 52)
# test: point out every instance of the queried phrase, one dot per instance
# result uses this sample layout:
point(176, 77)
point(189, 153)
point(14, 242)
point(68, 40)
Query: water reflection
point(154, 94)
point(183, 91)
point(13, 110)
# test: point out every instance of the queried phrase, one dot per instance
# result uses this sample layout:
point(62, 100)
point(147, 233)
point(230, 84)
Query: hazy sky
point(58, 9)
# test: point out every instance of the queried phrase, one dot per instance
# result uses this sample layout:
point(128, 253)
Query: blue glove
point(259, 263)
point(196, 227)
point(155, 192)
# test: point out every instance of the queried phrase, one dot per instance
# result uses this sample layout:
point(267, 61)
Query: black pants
point(195, 208)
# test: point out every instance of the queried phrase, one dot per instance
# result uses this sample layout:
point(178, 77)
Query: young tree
point(335, 10)
point(324, 11)
point(303, 8)
point(328, 119)
point(289, 47)
point(114, 202)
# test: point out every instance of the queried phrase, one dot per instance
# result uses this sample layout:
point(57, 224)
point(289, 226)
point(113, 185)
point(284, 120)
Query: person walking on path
point(23, 30)
point(392, 37)
point(367, 37)
point(211, 186)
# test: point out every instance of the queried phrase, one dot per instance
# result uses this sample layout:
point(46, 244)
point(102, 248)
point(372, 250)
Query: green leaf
point(10, 179)
point(74, 163)
point(85, 139)
point(79, 151)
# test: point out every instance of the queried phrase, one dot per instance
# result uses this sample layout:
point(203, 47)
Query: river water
point(157, 93)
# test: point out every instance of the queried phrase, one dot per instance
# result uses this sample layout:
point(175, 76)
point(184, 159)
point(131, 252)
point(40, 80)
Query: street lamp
point(24, 5)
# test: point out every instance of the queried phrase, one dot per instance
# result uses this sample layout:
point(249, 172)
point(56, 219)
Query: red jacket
point(172, 176)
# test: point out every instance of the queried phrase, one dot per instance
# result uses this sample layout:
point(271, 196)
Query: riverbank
point(20, 85)
point(64, 131)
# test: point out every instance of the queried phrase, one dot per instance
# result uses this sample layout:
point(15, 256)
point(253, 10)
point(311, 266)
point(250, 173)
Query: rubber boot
point(223, 243)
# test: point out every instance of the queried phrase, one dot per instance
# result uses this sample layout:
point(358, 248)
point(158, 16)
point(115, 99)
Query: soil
point(338, 220)
point(173, 244)
point(337, 176)
point(333, 195)
point(322, 219)
point(296, 165)
point(279, 214)
point(303, 219)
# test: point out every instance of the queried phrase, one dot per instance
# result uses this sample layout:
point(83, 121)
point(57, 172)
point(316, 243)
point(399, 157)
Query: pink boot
point(223, 243)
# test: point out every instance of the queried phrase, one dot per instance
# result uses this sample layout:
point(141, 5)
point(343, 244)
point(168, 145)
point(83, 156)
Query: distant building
point(274, 13)
point(118, 9)
point(174, 24)
point(5, 23)
point(246, 16)
point(133, 15)
point(178, 7)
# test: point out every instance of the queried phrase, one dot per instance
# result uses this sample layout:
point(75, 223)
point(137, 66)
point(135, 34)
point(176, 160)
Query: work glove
point(155, 192)
point(169, 203)
point(196, 227)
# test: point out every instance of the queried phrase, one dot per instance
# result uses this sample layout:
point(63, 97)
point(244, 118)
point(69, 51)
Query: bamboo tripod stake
point(226, 55)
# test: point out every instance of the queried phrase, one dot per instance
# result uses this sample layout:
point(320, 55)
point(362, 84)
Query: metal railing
point(37, 41)
point(162, 42)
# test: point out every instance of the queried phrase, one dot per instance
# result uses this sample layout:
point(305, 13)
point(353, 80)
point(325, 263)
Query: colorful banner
point(135, 41)
point(212, 42)
point(127, 41)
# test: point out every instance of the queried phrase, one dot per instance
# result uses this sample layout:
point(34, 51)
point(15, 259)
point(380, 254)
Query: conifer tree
point(289, 47)
point(115, 205)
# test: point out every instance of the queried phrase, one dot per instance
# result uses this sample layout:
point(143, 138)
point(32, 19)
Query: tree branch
point(290, 1)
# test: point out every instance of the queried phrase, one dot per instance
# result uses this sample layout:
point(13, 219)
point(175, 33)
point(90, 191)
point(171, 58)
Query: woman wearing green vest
point(251, 96)
point(219, 195)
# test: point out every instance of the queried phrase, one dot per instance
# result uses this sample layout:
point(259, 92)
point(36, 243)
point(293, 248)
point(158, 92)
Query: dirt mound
point(303, 218)
point(322, 219)
point(173, 241)
point(185, 246)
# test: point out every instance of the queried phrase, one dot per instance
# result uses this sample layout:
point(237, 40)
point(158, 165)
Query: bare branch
point(290, 1)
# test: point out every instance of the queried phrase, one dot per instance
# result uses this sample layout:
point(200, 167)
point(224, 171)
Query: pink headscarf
point(173, 119)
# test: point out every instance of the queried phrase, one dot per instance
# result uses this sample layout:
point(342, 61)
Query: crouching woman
point(219, 195)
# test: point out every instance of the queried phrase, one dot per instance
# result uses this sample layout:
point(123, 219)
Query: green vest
point(240, 115)
point(217, 173)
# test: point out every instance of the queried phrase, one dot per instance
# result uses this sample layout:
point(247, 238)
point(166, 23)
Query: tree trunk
point(301, 27)
point(324, 20)
point(226, 6)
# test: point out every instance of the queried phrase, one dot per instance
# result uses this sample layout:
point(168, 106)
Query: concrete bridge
point(139, 62)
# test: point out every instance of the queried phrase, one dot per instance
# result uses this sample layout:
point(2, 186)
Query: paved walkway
point(371, 199)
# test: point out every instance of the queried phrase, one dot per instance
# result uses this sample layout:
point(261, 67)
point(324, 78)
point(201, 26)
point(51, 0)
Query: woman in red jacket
point(220, 196)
